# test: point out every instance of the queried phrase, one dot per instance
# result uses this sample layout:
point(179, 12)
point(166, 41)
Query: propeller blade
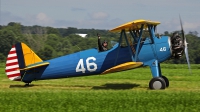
point(185, 45)
point(182, 31)
point(187, 56)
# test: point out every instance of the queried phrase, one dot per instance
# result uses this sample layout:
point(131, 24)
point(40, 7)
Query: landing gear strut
point(158, 81)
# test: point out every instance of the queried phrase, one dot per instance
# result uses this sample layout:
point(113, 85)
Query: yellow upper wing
point(134, 25)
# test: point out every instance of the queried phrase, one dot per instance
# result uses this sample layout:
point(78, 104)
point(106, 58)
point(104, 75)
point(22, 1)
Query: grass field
point(118, 92)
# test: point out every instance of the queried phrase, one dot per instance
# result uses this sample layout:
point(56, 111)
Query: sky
point(101, 14)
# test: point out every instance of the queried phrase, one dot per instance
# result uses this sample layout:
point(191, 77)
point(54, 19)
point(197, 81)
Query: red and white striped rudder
point(12, 65)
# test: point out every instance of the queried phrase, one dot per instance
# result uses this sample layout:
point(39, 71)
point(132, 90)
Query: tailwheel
point(27, 85)
point(166, 81)
point(157, 83)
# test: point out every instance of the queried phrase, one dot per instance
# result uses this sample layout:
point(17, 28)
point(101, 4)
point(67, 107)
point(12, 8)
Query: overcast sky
point(101, 14)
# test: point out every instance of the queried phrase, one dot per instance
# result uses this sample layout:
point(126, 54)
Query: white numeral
point(80, 66)
point(91, 66)
point(163, 49)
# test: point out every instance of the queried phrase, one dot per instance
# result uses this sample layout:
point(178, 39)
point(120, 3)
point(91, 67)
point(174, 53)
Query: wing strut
point(139, 43)
point(128, 45)
point(151, 31)
point(133, 34)
point(120, 41)
point(131, 48)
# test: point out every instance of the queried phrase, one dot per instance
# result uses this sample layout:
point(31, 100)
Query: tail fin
point(18, 58)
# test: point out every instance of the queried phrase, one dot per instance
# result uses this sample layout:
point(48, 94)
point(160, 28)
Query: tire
point(166, 81)
point(157, 83)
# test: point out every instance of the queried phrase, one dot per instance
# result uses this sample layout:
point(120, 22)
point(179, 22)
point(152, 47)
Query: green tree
point(7, 39)
point(2, 57)
point(46, 53)
point(15, 28)
point(51, 30)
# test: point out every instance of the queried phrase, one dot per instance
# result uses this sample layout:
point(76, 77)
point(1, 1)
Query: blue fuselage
point(92, 62)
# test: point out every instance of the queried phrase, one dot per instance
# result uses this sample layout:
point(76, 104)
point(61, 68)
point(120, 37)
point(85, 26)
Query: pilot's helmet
point(105, 42)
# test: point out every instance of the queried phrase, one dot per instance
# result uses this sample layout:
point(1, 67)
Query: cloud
point(98, 15)
point(174, 25)
point(77, 9)
point(89, 24)
point(39, 19)
point(65, 23)
point(96, 20)
point(43, 19)
point(7, 17)
point(189, 25)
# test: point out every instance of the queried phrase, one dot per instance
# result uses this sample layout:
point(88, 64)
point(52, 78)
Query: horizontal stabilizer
point(124, 66)
point(36, 65)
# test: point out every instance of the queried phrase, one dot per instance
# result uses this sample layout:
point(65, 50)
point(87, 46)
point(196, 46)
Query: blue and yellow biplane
point(138, 46)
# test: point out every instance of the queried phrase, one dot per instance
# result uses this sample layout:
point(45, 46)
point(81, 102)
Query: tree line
point(49, 42)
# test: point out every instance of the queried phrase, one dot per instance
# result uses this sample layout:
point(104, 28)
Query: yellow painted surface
point(35, 66)
point(29, 56)
point(134, 25)
point(124, 66)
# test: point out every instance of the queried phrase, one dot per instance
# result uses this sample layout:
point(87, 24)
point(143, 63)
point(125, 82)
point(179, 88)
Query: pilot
point(103, 46)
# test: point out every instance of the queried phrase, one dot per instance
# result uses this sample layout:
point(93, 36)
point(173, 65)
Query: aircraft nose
point(177, 46)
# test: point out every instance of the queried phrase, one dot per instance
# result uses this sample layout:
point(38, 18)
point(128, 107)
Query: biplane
point(138, 46)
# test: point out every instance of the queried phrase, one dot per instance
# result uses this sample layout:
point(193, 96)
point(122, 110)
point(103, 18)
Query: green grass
point(117, 92)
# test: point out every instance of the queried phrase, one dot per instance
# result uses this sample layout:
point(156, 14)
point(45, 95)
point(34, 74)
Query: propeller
point(185, 45)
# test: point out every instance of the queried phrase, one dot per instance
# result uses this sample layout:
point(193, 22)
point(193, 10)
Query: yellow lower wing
point(124, 66)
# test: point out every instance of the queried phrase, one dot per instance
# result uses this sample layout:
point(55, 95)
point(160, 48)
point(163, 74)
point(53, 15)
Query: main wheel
point(157, 83)
point(166, 81)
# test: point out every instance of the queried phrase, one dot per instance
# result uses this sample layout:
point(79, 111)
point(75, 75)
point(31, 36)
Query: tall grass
point(125, 91)
point(99, 100)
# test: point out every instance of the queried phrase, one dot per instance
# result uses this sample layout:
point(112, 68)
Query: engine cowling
point(177, 46)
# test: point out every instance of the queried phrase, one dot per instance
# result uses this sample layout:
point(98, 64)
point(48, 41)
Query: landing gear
point(166, 81)
point(27, 85)
point(157, 83)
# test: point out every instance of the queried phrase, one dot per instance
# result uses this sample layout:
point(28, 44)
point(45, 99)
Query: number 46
point(163, 49)
point(80, 66)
